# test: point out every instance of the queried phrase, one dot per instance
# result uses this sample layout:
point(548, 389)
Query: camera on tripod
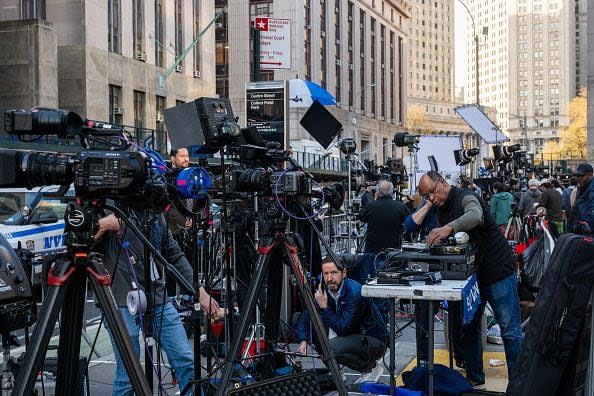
point(126, 175)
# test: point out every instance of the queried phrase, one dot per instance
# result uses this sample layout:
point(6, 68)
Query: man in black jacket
point(124, 259)
point(462, 210)
point(384, 218)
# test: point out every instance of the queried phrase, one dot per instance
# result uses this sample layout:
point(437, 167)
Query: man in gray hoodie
point(529, 198)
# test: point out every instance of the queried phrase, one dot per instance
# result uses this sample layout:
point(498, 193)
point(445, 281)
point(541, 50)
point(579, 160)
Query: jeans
point(172, 337)
point(357, 351)
point(503, 298)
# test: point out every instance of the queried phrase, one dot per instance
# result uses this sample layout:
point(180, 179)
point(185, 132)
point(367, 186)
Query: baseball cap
point(582, 169)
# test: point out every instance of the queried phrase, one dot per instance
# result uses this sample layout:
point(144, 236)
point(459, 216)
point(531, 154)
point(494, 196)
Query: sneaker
point(477, 385)
point(372, 376)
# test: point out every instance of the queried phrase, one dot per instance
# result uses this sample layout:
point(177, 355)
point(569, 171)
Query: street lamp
point(476, 51)
point(352, 119)
point(524, 119)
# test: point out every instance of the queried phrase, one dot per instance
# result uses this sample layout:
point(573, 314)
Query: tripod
point(66, 292)
point(514, 228)
point(274, 241)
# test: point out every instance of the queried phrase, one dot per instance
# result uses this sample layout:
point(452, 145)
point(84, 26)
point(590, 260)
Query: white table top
point(450, 290)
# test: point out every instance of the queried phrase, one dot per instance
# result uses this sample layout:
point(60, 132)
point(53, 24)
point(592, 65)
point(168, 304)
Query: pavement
point(102, 364)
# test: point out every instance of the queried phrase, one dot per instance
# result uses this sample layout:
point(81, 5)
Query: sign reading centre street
point(265, 109)
point(275, 43)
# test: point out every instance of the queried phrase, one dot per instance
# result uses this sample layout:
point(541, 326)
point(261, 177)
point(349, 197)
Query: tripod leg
point(42, 333)
point(119, 332)
point(266, 246)
point(318, 326)
point(68, 375)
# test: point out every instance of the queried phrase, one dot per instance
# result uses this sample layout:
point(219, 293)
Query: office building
point(526, 65)
point(110, 60)
point(356, 50)
point(431, 69)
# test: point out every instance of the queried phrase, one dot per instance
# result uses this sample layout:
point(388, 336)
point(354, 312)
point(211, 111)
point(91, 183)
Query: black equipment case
point(554, 358)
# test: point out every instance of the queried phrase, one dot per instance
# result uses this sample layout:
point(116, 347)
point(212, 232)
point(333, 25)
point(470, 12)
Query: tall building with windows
point(431, 69)
point(115, 59)
point(355, 49)
point(581, 44)
point(590, 51)
point(527, 65)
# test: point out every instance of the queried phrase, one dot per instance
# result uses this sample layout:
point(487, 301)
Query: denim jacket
point(350, 314)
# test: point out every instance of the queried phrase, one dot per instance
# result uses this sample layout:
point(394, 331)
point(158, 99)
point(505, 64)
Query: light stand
point(348, 146)
point(403, 139)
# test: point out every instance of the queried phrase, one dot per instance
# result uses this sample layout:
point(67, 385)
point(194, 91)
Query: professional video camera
point(129, 176)
point(464, 157)
point(394, 171)
point(505, 153)
point(404, 139)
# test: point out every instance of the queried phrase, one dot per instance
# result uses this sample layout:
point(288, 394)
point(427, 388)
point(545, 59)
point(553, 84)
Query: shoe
point(372, 376)
point(477, 385)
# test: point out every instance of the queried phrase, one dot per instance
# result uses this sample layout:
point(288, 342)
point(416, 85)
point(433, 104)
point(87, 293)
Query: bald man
point(384, 218)
point(459, 209)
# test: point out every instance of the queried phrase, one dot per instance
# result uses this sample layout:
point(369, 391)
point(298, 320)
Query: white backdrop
point(442, 148)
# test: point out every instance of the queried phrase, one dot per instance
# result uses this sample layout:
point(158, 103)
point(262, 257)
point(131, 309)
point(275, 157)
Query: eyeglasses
point(431, 192)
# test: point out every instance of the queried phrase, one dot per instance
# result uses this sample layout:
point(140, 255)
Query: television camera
point(464, 157)
point(104, 168)
point(394, 171)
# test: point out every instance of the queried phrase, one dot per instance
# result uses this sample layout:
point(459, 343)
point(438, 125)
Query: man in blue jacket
point(362, 335)
point(582, 210)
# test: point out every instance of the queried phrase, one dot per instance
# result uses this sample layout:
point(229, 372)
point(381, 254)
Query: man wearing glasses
point(581, 215)
point(459, 209)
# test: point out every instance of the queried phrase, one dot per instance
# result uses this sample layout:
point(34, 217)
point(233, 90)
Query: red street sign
point(262, 24)
point(275, 42)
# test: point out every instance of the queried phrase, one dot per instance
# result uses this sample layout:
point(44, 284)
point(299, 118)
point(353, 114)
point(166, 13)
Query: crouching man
point(362, 335)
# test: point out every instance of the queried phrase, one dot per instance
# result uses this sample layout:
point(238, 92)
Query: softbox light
point(481, 124)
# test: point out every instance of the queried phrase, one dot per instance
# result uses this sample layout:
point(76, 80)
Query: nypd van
point(32, 220)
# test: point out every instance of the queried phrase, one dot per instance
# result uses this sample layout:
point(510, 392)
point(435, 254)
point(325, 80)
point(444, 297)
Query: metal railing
point(335, 233)
point(320, 162)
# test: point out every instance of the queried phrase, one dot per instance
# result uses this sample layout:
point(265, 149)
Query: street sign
point(266, 109)
point(275, 43)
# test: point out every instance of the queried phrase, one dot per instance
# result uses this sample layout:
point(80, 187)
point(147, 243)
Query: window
point(221, 48)
point(138, 28)
point(159, 109)
point(159, 33)
point(139, 111)
point(307, 39)
point(115, 111)
point(323, 41)
point(179, 28)
point(383, 70)
point(113, 22)
point(351, 44)
point(160, 141)
point(196, 31)
point(392, 103)
point(362, 36)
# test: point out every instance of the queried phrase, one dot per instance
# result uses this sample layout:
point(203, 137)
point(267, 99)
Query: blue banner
point(471, 298)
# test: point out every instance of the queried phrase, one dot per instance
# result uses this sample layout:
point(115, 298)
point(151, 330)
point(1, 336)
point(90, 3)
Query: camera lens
point(44, 169)
point(58, 122)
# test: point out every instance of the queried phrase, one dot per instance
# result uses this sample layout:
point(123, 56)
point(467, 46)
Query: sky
point(459, 50)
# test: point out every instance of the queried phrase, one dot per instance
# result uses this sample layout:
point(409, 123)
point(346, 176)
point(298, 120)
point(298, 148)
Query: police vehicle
point(31, 220)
